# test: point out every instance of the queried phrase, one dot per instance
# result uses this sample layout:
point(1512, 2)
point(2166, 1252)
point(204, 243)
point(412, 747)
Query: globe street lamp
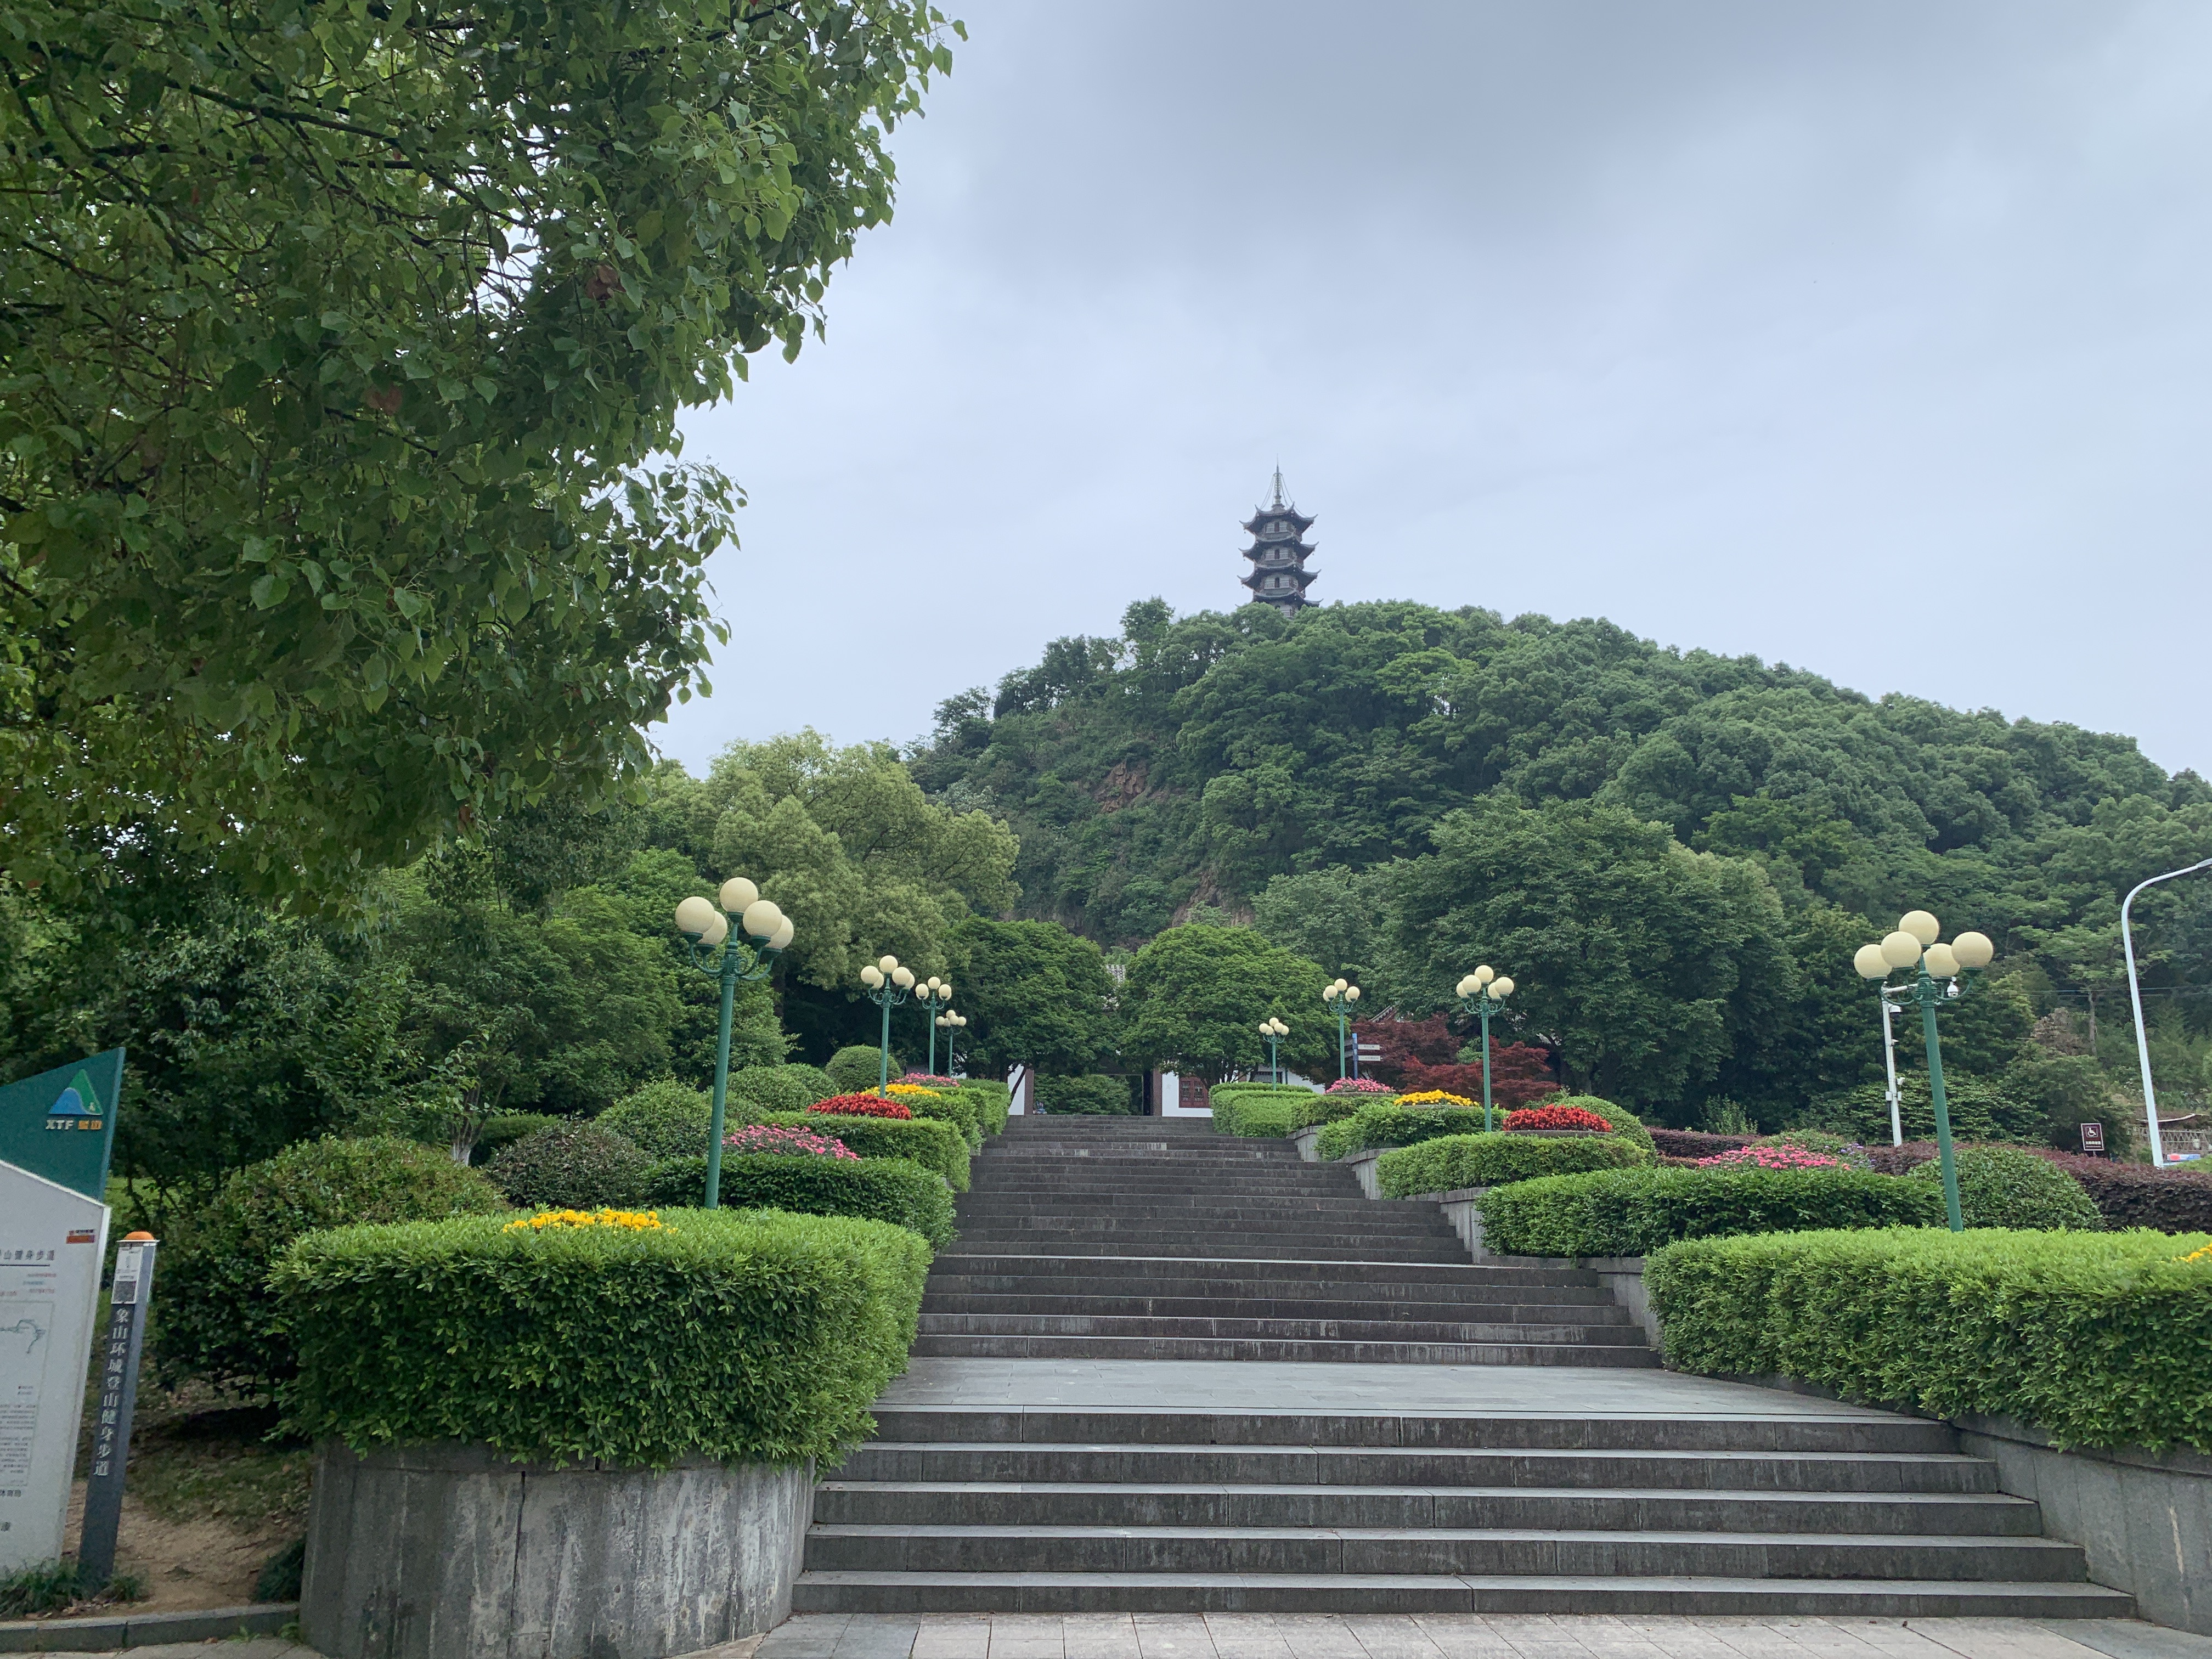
point(767, 934)
point(951, 1022)
point(887, 985)
point(1273, 1030)
point(1482, 991)
point(1914, 949)
point(1341, 996)
point(934, 994)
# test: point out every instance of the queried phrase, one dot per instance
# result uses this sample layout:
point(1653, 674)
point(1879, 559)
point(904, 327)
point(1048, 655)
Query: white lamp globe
point(945, 990)
point(736, 893)
point(717, 929)
point(933, 981)
point(1485, 973)
point(1973, 949)
point(871, 976)
point(694, 916)
point(1870, 963)
point(1501, 987)
point(1922, 926)
point(1352, 993)
point(904, 978)
point(1942, 962)
point(781, 940)
point(1466, 986)
point(1339, 985)
point(761, 918)
point(1900, 949)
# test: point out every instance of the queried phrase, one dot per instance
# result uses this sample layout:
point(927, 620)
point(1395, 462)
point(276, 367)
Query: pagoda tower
point(1279, 554)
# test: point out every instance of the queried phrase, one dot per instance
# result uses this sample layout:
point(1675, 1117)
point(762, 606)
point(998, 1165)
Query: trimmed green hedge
point(930, 1142)
point(1452, 1161)
point(992, 1102)
point(2007, 1186)
point(948, 1106)
point(2100, 1338)
point(218, 1321)
point(666, 1118)
point(1635, 1211)
point(728, 1334)
point(1398, 1126)
point(874, 1189)
point(762, 1089)
point(1624, 1122)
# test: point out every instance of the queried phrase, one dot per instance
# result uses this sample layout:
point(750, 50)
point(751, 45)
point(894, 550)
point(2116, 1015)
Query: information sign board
point(2093, 1136)
point(53, 1241)
point(61, 1124)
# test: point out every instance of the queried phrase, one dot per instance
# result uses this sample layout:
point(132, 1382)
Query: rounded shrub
point(219, 1322)
point(505, 1129)
point(1621, 1119)
point(949, 1105)
point(1453, 1162)
point(2005, 1186)
point(765, 1089)
point(858, 1067)
point(572, 1166)
point(668, 1119)
point(729, 1335)
point(1092, 1094)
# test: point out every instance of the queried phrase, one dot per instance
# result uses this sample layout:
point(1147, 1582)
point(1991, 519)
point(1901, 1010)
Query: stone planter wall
point(450, 1551)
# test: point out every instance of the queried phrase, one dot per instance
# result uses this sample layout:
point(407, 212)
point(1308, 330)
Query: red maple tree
point(1423, 1054)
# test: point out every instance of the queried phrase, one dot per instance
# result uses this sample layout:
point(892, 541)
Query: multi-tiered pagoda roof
point(1279, 554)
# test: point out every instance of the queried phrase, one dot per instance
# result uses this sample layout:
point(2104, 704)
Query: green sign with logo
point(61, 1124)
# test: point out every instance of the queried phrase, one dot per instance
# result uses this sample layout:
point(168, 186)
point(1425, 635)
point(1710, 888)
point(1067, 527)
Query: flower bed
point(930, 1080)
point(1433, 1098)
point(2098, 1339)
point(776, 1141)
point(1557, 1117)
point(894, 1189)
point(1357, 1086)
point(724, 1335)
point(1771, 1158)
point(1453, 1162)
point(1635, 1211)
point(927, 1142)
point(862, 1106)
point(1393, 1125)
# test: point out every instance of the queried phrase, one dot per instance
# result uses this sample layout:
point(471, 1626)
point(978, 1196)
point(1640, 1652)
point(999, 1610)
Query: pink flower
point(1774, 1158)
point(777, 1141)
point(1357, 1086)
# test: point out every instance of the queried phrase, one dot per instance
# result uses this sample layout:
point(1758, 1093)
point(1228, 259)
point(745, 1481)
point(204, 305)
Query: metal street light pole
point(1274, 1031)
point(934, 994)
point(1482, 991)
point(2135, 996)
point(1341, 996)
point(951, 1022)
point(887, 984)
point(767, 934)
point(1913, 946)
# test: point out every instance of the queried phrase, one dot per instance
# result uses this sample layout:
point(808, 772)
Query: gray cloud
point(1871, 338)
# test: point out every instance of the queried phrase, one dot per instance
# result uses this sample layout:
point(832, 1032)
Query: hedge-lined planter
point(1619, 1212)
point(930, 1142)
point(1451, 1162)
point(890, 1189)
point(536, 1418)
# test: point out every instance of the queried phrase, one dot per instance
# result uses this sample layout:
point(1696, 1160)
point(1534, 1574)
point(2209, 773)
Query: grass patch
point(55, 1587)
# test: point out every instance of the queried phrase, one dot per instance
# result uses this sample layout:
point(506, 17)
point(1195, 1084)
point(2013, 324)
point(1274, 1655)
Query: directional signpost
point(56, 1132)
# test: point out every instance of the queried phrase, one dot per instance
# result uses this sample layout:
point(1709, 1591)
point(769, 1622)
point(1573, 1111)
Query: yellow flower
point(913, 1089)
point(1434, 1097)
point(2204, 1254)
point(635, 1221)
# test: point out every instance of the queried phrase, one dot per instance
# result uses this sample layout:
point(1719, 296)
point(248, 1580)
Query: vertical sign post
point(129, 1295)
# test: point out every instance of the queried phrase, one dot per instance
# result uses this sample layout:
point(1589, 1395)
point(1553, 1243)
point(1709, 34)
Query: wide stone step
point(1186, 1224)
point(1508, 1306)
point(1108, 1504)
point(1277, 1350)
point(847, 1547)
point(1345, 1593)
point(1359, 1249)
point(963, 1262)
point(984, 1290)
point(1311, 1330)
point(1457, 1468)
point(1175, 1204)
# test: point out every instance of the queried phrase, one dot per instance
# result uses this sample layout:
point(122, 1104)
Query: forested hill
point(1191, 761)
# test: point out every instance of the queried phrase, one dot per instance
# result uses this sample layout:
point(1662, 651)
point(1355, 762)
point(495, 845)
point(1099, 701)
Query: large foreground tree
point(337, 346)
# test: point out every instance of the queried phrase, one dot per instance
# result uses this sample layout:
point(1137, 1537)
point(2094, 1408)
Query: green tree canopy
point(1038, 995)
point(336, 345)
point(1194, 998)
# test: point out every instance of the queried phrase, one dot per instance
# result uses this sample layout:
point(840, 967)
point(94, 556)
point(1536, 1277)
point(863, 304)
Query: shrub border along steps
point(2139, 1516)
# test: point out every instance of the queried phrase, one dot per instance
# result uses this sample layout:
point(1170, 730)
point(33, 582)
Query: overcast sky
point(1871, 338)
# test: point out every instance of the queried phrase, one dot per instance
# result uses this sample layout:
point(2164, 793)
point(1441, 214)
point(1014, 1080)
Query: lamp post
point(1274, 1031)
point(951, 1022)
point(1341, 996)
point(934, 994)
point(1482, 991)
point(1914, 948)
point(767, 934)
point(2135, 996)
point(887, 984)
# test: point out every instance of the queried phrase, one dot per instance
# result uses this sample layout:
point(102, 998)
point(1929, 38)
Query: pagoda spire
point(1278, 553)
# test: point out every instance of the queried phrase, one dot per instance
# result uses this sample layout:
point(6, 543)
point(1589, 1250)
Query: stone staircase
point(1158, 1239)
point(1565, 1478)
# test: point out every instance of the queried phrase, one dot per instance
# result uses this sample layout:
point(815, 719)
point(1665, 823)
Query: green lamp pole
point(887, 984)
point(1914, 949)
point(1482, 991)
point(934, 994)
point(951, 1022)
point(1341, 996)
point(767, 934)
point(1272, 1030)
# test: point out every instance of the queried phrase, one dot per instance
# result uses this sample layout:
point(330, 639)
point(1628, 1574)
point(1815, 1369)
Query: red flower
point(1557, 1117)
point(861, 1106)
